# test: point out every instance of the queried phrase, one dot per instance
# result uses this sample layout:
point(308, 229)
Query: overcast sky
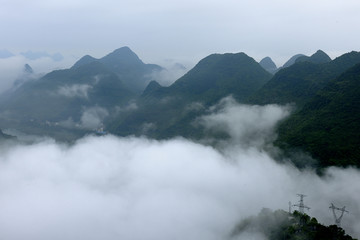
point(185, 30)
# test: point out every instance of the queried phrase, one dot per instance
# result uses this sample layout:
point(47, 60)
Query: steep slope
point(127, 65)
point(327, 126)
point(169, 111)
point(268, 64)
point(300, 82)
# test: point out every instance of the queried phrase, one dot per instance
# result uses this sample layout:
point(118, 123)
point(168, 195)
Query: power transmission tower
point(301, 204)
point(338, 219)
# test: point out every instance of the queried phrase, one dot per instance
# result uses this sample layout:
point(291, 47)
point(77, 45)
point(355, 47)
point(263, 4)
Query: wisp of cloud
point(137, 188)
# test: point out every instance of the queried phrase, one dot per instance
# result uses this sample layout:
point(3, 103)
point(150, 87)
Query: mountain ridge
point(318, 57)
point(213, 78)
point(92, 88)
point(292, 60)
point(129, 67)
point(299, 82)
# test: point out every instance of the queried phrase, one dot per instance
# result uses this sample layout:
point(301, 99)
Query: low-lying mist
point(137, 188)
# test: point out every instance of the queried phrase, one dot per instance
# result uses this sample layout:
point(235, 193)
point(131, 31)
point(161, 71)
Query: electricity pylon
point(301, 204)
point(338, 219)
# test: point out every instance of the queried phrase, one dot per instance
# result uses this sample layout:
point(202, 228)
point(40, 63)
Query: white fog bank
point(135, 188)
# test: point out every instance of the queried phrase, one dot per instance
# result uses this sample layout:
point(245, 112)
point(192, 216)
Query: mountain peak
point(123, 55)
point(151, 87)
point(321, 55)
point(28, 69)
point(317, 58)
point(268, 64)
point(217, 58)
point(233, 73)
point(124, 49)
point(83, 61)
point(120, 56)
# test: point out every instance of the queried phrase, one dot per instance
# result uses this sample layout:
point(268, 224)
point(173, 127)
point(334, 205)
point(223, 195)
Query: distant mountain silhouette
point(26, 75)
point(117, 92)
point(292, 60)
point(83, 61)
point(121, 58)
point(62, 93)
point(127, 65)
point(6, 54)
point(62, 97)
point(28, 69)
point(268, 64)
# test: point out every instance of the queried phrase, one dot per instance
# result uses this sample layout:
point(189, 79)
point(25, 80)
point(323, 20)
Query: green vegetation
point(327, 126)
point(166, 112)
point(300, 82)
point(282, 225)
point(220, 75)
point(326, 95)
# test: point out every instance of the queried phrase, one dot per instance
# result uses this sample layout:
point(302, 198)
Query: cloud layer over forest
point(135, 188)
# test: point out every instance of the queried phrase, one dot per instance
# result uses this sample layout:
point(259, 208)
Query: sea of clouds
point(112, 187)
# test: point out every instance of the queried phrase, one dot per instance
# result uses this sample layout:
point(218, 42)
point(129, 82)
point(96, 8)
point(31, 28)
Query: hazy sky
point(181, 30)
